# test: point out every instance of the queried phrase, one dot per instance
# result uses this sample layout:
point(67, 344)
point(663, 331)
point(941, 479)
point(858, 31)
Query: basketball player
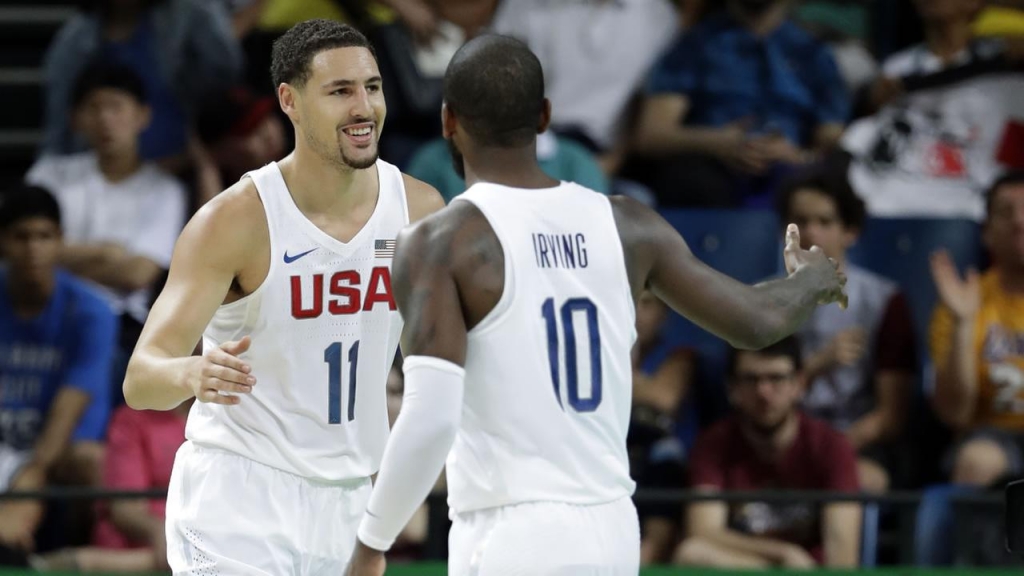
point(524, 288)
point(286, 276)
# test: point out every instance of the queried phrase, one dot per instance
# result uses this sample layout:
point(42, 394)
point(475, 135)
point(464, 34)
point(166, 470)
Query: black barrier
point(904, 503)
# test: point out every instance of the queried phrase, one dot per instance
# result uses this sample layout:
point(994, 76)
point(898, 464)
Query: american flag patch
point(384, 249)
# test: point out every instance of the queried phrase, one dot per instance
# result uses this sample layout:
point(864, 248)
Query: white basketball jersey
point(324, 329)
point(548, 371)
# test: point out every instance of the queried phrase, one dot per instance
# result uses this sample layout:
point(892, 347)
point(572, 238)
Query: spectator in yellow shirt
point(977, 345)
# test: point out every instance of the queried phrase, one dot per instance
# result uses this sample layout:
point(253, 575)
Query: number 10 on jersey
point(333, 358)
point(571, 361)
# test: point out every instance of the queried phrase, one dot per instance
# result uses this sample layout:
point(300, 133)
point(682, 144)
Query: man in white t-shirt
point(596, 56)
point(122, 214)
point(946, 124)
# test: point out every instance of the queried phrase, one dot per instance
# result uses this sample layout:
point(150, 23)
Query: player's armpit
point(225, 236)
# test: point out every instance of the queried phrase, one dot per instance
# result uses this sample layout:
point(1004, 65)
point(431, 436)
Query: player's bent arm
point(708, 520)
point(748, 317)
point(434, 346)
point(207, 258)
point(841, 534)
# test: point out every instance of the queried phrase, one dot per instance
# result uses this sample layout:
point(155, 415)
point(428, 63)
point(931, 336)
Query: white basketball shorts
point(230, 516)
point(546, 539)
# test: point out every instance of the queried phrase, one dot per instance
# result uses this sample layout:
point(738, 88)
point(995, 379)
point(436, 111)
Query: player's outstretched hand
point(366, 561)
point(220, 375)
point(828, 279)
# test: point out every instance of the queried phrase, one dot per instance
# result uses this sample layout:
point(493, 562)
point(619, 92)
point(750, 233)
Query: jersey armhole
point(501, 310)
point(271, 266)
point(621, 251)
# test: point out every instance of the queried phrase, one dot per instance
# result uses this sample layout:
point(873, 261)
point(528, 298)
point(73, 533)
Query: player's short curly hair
point(294, 51)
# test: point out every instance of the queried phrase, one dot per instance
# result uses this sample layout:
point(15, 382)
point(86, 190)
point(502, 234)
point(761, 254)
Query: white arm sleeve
point(416, 451)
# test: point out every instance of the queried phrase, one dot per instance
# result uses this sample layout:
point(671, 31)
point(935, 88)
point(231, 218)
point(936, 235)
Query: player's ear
point(286, 97)
point(448, 122)
point(545, 117)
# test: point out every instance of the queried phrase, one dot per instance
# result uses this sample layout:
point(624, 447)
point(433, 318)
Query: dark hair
point(103, 74)
point(293, 52)
point(829, 182)
point(23, 202)
point(788, 347)
point(495, 86)
point(1007, 179)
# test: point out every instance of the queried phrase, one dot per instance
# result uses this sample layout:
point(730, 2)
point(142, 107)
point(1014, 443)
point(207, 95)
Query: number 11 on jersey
point(332, 355)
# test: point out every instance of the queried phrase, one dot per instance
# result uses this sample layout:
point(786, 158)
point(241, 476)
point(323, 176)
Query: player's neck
point(116, 167)
point(29, 295)
point(947, 39)
point(512, 167)
point(319, 186)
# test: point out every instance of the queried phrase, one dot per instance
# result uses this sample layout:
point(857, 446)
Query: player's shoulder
point(636, 222)
point(231, 222)
point(232, 211)
point(422, 198)
point(444, 238)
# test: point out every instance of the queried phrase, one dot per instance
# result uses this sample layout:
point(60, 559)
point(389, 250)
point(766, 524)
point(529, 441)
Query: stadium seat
point(899, 248)
point(745, 245)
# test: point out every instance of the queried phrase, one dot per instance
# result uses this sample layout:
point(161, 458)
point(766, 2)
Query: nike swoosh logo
point(289, 259)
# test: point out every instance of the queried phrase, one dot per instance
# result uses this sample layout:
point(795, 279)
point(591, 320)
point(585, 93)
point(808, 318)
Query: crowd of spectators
point(829, 112)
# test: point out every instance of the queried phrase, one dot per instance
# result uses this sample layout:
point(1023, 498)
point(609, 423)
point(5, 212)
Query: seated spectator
point(860, 362)
point(770, 444)
point(122, 214)
point(239, 132)
point(938, 138)
point(977, 345)
point(591, 80)
point(560, 158)
point(661, 380)
point(130, 535)
point(949, 42)
point(180, 49)
point(736, 100)
point(57, 338)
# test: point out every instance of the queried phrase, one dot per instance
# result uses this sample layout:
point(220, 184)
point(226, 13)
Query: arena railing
point(902, 503)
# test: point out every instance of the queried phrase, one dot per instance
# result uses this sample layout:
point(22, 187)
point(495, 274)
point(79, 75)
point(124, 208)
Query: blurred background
point(891, 131)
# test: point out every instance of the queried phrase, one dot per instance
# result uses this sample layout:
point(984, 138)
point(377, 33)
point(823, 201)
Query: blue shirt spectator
point(69, 343)
point(735, 104)
point(784, 82)
point(57, 341)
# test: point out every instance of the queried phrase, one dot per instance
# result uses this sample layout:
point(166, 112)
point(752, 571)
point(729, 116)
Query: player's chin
point(360, 157)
